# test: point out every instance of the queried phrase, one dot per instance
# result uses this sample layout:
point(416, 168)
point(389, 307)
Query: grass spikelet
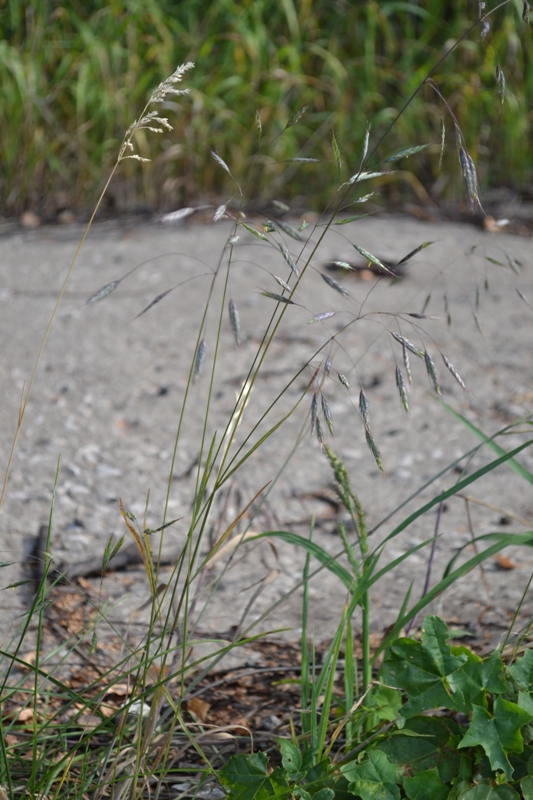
point(282, 283)
point(365, 145)
point(374, 450)
point(374, 260)
point(327, 413)
point(154, 302)
point(253, 231)
point(365, 176)
point(289, 259)
point(454, 372)
point(281, 206)
point(336, 153)
point(176, 216)
point(400, 383)
point(344, 380)
point(407, 363)
point(200, 358)
point(470, 178)
point(335, 285)
point(220, 213)
point(521, 295)
point(343, 487)
point(168, 86)
point(279, 297)
point(319, 432)
point(235, 322)
point(327, 366)
point(364, 408)
point(103, 292)
point(342, 264)
point(258, 123)
point(321, 317)
point(314, 411)
point(290, 231)
point(295, 119)
point(409, 345)
point(432, 372)
point(405, 153)
point(500, 83)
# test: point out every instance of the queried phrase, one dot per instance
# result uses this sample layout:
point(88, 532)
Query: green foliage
point(75, 76)
point(479, 746)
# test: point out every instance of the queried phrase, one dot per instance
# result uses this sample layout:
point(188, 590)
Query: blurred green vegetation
point(75, 76)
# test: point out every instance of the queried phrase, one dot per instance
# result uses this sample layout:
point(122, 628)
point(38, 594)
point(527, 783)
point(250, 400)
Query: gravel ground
point(109, 391)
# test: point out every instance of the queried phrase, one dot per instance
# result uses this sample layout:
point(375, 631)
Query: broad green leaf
point(475, 678)
point(422, 668)
point(247, 779)
point(526, 784)
point(522, 671)
point(291, 757)
point(485, 791)
point(426, 785)
point(498, 734)
point(423, 744)
point(374, 778)
point(385, 702)
point(324, 794)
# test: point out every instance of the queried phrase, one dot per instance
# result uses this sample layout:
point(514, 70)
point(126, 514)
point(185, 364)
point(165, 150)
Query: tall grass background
point(143, 740)
point(74, 76)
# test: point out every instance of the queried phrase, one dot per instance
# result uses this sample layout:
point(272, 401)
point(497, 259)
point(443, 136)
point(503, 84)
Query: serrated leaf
point(522, 671)
point(421, 745)
point(247, 779)
point(374, 778)
point(425, 785)
point(526, 784)
point(486, 791)
point(405, 152)
point(291, 756)
point(422, 669)
point(497, 733)
point(385, 702)
point(475, 678)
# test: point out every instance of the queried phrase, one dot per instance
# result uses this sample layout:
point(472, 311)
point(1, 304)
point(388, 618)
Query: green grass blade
point(518, 468)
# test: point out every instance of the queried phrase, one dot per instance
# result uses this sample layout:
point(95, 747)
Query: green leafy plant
point(450, 724)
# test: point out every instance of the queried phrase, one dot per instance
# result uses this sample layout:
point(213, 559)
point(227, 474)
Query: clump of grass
point(74, 77)
point(135, 747)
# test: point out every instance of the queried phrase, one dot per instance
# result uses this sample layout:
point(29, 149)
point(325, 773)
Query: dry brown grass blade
point(144, 551)
point(231, 528)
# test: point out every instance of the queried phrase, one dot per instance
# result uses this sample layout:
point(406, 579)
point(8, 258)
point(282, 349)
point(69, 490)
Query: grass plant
point(75, 76)
point(412, 717)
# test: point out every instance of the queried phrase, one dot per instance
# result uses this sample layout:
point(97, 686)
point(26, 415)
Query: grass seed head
point(314, 411)
point(327, 366)
point(344, 380)
point(335, 285)
point(327, 414)
point(103, 292)
point(454, 372)
point(432, 372)
point(319, 432)
point(200, 358)
point(400, 383)
point(364, 408)
point(235, 322)
point(407, 344)
point(289, 259)
point(374, 449)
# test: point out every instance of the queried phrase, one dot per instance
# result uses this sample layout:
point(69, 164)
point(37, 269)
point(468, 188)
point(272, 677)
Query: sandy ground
point(110, 388)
